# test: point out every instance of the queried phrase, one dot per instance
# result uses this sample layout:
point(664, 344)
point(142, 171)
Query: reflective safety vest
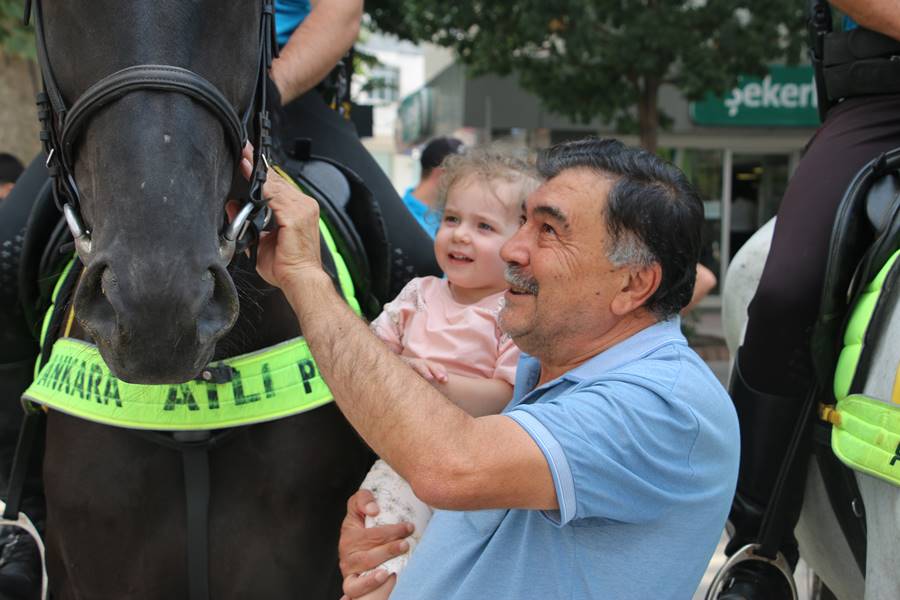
point(866, 430)
point(272, 383)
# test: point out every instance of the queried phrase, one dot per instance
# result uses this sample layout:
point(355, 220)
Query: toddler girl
point(446, 329)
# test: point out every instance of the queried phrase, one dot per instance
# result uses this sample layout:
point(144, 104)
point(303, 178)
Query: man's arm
point(882, 16)
point(316, 46)
point(450, 459)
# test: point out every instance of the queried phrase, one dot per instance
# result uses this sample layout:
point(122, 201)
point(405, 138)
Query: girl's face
point(478, 219)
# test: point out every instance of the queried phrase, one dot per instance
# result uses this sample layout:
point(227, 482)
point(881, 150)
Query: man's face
point(561, 282)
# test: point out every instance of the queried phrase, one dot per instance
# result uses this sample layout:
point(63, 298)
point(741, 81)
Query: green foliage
point(15, 38)
point(589, 58)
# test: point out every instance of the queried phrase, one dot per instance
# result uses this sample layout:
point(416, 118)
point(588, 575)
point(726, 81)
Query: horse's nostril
point(219, 313)
point(93, 303)
point(108, 282)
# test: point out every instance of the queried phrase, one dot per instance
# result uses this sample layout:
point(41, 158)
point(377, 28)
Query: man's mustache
point(516, 278)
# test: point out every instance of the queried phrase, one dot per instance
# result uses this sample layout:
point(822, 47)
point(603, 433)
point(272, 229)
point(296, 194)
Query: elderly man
point(611, 472)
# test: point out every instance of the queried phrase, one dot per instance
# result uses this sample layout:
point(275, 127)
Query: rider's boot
point(767, 425)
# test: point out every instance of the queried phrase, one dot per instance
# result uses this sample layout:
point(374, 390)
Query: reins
point(61, 126)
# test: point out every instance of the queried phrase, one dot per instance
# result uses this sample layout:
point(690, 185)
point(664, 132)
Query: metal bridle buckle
point(748, 553)
point(81, 235)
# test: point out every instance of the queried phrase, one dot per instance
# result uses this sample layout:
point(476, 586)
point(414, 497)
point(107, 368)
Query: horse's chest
point(277, 496)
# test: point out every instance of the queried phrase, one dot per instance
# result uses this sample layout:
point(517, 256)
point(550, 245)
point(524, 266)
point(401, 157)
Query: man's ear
point(640, 284)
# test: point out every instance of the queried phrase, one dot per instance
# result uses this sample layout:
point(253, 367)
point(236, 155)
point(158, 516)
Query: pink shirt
point(424, 321)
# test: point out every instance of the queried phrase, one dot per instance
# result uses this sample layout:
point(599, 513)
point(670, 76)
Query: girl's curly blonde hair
point(488, 165)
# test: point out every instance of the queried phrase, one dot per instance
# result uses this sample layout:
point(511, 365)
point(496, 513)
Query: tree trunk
point(648, 114)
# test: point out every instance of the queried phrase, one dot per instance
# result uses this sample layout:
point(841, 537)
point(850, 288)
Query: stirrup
point(23, 522)
point(748, 553)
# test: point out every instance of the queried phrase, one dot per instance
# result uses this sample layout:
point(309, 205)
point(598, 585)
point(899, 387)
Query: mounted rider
point(858, 84)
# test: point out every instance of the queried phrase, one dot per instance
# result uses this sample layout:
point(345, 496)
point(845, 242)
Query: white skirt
point(398, 504)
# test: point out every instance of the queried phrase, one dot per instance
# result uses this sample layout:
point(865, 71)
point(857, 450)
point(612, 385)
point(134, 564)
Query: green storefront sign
point(785, 97)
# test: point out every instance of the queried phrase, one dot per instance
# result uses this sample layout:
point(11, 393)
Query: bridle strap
point(164, 78)
point(61, 126)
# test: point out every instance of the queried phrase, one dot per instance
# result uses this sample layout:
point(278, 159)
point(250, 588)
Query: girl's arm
point(476, 395)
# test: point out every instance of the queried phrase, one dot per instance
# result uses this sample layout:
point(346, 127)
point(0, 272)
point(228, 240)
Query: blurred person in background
point(421, 199)
point(10, 169)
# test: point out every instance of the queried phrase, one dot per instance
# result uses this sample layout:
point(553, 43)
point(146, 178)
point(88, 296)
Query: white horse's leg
point(881, 499)
point(741, 282)
point(882, 502)
point(822, 543)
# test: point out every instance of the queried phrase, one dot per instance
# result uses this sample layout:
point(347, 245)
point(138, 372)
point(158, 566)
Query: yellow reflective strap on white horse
point(277, 382)
point(866, 430)
point(868, 437)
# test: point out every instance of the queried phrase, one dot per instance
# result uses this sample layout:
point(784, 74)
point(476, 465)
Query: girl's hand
point(429, 370)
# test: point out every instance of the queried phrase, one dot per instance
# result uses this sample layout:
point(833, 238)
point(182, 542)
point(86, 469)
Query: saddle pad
point(867, 437)
point(866, 430)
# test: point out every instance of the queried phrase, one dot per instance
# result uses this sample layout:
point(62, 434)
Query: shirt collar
point(638, 345)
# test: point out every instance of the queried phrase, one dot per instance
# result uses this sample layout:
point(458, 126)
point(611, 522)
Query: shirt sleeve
point(507, 359)
point(617, 452)
point(391, 323)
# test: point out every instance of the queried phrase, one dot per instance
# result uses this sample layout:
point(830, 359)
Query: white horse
point(822, 544)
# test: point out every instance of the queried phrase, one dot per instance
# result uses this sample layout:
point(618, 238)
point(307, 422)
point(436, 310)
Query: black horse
point(159, 296)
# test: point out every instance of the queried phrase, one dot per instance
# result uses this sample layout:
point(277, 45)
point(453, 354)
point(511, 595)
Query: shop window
point(383, 85)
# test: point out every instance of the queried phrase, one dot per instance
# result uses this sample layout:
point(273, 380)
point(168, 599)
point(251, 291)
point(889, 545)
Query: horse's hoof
point(20, 565)
point(755, 581)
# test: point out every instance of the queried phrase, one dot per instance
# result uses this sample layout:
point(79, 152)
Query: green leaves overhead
point(15, 38)
point(588, 58)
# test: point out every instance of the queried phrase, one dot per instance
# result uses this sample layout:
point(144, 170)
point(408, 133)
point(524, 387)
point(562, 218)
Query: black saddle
point(865, 234)
point(354, 219)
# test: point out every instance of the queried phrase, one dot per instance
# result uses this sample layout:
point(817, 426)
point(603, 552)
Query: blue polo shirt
point(642, 443)
point(427, 218)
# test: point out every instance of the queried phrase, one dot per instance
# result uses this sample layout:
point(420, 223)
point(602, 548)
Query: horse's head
point(154, 168)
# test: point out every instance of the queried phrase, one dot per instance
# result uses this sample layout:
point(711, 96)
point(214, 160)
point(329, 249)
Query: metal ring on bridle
point(748, 553)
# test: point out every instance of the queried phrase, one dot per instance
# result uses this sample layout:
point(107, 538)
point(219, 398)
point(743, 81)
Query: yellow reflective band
point(277, 382)
point(866, 437)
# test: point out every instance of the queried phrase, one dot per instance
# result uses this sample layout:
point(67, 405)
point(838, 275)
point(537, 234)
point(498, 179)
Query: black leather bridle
point(61, 127)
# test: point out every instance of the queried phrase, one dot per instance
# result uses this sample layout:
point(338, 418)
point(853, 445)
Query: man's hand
point(428, 369)
point(293, 248)
point(361, 549)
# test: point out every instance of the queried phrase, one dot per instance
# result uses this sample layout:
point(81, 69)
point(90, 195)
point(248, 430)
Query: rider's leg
point(774, 362)
point(334, 137)
point(19, 571)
